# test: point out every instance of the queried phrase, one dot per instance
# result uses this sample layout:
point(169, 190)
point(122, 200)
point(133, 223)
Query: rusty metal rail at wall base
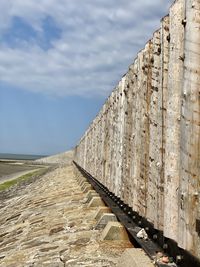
point(133, 222)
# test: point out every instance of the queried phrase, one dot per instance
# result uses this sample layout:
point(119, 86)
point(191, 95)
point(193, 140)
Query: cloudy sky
point(59, 60)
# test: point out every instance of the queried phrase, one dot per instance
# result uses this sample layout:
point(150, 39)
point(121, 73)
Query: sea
point(20, 156)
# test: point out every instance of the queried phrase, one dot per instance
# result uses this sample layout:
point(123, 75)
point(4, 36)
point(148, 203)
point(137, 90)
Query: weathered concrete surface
point(100, 212)
point(90, 195)
point(47, 223)
point(96, 202)
point(144, 145)
point(114, 231)
point(173, 116)
point(105, 218)
point(134, 258)
point(189, 208)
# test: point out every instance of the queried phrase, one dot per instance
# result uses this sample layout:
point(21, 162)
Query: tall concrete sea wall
point(144, 145)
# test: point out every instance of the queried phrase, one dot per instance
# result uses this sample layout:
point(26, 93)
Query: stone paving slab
point(48, 224)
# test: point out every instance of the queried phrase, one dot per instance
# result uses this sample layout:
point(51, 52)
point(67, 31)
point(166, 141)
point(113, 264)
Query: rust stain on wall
point(144, 145)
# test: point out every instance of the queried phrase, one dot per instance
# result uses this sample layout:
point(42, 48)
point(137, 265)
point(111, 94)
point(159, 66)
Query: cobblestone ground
point(49, 224)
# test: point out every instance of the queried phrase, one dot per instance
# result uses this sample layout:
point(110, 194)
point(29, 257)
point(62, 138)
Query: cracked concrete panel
point(155, 133)
point(145, 74)
point(189, 192)
point(172, 155)
point(115, 141)
point(128, 142)
point(111, 147)
point(121, 125)
point(164, 87)
point(135, 144)
point(145, 143)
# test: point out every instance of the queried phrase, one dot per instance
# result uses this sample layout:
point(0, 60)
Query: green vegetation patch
point(20, 179)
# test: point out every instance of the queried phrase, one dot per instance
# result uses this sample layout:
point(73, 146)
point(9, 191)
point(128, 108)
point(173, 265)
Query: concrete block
point(96, 202)
point(80, 178)
point(81, 181)
point(100, 212)
point(114, 231)
point(78, 175)
point(91, 192)
point(87, 188)
point(134, 257)
point(105, 218)
point(84, 184)
point(90, 195)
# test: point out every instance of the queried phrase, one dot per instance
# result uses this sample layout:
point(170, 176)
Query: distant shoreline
point(13, 168)
point(7, 156)
point(16, 175)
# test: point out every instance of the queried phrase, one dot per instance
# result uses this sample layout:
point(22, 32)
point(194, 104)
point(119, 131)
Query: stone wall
point(144, 144)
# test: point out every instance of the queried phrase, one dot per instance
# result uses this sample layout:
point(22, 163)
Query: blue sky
point(59, 60)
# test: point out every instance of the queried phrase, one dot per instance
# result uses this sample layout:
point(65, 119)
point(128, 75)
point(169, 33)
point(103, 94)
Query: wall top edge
point(131, 67)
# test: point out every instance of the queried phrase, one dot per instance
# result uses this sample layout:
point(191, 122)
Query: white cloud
point(98, 41)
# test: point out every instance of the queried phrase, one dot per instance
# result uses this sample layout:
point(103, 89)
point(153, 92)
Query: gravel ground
point(48, 223)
